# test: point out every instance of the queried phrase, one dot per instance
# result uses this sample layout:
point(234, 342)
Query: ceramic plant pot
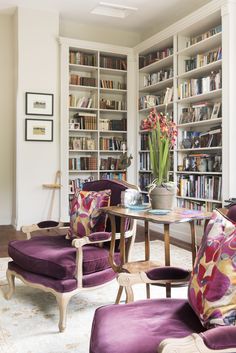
point(163, 197)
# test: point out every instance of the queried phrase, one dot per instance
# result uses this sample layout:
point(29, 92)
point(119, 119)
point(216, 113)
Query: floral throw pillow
point(212, 287)
point(85, 216)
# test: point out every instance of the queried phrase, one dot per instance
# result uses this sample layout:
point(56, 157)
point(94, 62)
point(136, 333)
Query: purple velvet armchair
point(62, 266)
point(169, 325)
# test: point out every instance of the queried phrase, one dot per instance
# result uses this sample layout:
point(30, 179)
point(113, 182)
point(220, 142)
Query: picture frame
point(39, 130)
point(215, 110)
point(39, 104)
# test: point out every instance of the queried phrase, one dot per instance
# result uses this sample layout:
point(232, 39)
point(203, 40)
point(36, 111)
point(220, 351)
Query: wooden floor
point(8, 233)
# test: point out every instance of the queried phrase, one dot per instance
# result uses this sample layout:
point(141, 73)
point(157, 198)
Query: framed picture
point(38, 130)
point(38, 104)
point(215, 111)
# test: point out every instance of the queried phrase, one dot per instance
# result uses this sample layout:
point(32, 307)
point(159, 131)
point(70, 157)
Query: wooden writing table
point(178, 215)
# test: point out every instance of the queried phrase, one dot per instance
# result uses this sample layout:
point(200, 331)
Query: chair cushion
point(85, 216)
point(54, 256)
point(212, 291)
point(139, 327)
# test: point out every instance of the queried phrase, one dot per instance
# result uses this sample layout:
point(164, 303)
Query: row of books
point(84, 121)
point(111, 62)
point(144, 180)
point(80, 58)
point(144, 161)
point(200, 111)
point(196, 139)
point(113, 176)
point(80, 102)
point(82, 143)
point(150, 100)
point(110, 163)
point(144, 145)
point(203, 59)
point(113, 124)
point(112, 144)
point(197, 205)
point(112, 104)
point(154, 56)
point(200, 85)
point(77, 184)
point(205, 35)
point(200, 187)
point(83, 163)
point(155, 77)
point(112, 84)
point(82, 81)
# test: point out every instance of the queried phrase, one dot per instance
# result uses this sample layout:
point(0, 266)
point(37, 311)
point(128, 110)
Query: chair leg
point(11, 284)
point(129, 294)
point(62, 301)
point(120, 290)
point(148, 290)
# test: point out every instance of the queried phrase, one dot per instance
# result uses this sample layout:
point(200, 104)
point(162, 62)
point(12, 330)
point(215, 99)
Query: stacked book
point(82, 81)
point(80, 58)
point(200, 186)
point(111, 62)
point(85, 121)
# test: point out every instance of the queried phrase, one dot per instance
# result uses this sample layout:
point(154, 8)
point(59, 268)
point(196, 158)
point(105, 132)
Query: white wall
point(38, 71)
point(72, 29)
point(7, 103)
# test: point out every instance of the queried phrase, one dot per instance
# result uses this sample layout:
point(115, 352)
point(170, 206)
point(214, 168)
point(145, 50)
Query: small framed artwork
point(216, 110)
point(38, 104)
point(38, 130)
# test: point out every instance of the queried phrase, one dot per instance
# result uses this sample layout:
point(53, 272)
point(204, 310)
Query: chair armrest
point(44, 226)
point(93, 238)
point(223, 337)
point(195, 343)
point(159, 275)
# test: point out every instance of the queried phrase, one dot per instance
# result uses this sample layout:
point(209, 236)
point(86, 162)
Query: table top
point(177, 215)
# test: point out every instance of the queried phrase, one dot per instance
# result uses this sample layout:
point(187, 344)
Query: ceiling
point(150, 14)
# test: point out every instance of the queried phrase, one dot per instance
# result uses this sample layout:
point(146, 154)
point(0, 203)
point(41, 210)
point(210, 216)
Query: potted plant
point(162, 136)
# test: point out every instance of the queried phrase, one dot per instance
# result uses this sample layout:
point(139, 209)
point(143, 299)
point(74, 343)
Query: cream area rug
point(28, 322)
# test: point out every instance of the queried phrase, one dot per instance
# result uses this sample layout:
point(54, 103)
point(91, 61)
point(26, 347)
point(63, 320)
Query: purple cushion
point(220, 338)
point(64, 285)
point(54, 256)
point(139, 327)
point(231, 214)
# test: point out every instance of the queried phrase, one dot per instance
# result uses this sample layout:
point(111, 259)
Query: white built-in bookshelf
point(94, 113)
point(189, 62)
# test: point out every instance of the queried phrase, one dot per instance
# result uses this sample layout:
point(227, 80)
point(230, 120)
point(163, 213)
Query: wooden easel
point(54, 186)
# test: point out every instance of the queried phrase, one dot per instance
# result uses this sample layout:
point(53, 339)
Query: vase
point(163, 197)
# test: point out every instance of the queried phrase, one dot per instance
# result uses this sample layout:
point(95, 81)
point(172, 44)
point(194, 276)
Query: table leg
point(147, 251)
point(167, 255)
point(193, 241)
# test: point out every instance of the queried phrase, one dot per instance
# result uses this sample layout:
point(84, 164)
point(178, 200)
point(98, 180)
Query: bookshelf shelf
point(201, 123)
point(112, 72)
point(113, 90)
point(200, 173)
point(198, 149)
point(199, 199)
point(94, 79)
point(201, 97)
point(202, 46)
point(158, 86)
point(85, 68)
point(201, 70)
point(159, 107)
point(168, 61)
point(83, 88)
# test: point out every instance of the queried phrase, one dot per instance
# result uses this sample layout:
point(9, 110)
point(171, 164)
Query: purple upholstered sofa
point(158, 325)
